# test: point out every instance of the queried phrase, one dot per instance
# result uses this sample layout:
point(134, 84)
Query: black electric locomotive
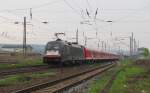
point(60, 51)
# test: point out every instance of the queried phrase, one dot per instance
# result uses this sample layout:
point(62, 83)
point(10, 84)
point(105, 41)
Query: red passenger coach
point(99, 55)
point(87, 54)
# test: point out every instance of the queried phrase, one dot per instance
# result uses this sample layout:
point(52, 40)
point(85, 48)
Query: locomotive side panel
point(77, 53)
point(66, 54)
point(72, 54)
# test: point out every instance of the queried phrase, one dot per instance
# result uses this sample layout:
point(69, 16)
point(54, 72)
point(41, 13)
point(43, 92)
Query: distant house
point(16, 48)
point(141, 50)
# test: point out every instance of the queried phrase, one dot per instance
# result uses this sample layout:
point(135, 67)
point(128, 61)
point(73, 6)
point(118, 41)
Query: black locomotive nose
point(51, 59)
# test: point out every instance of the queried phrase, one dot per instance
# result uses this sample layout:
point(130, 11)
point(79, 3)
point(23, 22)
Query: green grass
point(131, 79)
point(125, 62)
point(37, 75)
point(21, 78)
point(100, 83)
point(120, 84)
point(140, 83)
point(14, 79)
point(24, 63)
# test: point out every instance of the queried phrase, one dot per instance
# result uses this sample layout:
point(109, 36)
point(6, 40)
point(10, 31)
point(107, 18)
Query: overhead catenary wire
point(46, 4)
point(34, 7)
point(38, 6)
point(56, 1)
point(6, 18)
point(78, 5)
point(38, 21)
point(69, 5)
point(43, 5)
point(62, 0)
point(19, 22)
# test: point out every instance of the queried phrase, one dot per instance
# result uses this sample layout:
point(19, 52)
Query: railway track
point(6, 72)
point(110, 82)
point(23, 70)
point(65, 83)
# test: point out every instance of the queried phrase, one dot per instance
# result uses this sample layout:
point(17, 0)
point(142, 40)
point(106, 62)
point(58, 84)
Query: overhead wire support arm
point(89, 5)
point(31, 13)
point(96, 12)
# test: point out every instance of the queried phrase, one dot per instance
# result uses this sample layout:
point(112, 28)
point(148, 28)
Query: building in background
point(16, 48)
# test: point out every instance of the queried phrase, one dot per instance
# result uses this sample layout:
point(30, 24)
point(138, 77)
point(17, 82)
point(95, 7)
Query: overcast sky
point(67, 15)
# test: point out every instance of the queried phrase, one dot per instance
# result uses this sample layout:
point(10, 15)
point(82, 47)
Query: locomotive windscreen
point(53, 46)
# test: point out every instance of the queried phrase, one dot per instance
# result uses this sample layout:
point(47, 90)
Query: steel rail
point(22, 70)
point(51, 84)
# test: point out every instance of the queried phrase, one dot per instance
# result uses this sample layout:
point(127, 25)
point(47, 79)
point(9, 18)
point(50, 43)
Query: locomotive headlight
point(52, 53)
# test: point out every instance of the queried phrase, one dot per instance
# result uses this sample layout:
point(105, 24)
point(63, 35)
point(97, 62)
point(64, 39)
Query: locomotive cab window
point(52, 46)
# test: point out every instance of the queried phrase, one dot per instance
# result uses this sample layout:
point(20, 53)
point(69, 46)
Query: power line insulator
point(16, 22)
point(45, 22)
